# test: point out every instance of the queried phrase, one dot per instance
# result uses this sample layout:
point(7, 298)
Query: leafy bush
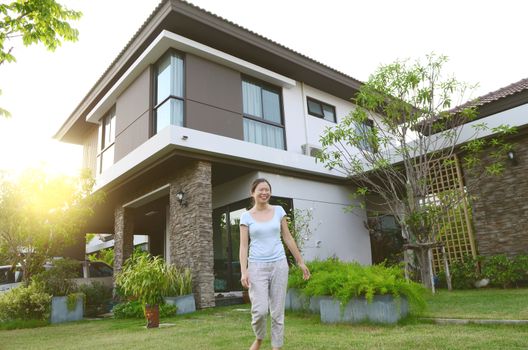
point(500, 271)
point(134, 309)
point(58, 280)
point(344, 281)
point(520, 268)
point(25, 303)
point(104, 255)
point(465, 273)
point(180, 281)
point(97, 298)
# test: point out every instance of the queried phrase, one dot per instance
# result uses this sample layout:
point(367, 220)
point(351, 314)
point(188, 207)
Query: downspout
point(304, 113)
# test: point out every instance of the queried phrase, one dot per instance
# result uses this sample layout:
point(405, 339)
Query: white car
point(88, 272)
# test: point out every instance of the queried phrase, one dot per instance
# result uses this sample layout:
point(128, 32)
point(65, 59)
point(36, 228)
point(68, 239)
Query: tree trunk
point(422, 253)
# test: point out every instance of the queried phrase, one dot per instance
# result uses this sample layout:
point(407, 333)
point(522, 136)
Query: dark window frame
point(103, 147)
point(272, 88)
point(154, 85)
point(321, 104)
point(369, 148)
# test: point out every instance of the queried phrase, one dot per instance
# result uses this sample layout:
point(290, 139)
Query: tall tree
point(40, 215)
point(404, 127)
point(34, 21)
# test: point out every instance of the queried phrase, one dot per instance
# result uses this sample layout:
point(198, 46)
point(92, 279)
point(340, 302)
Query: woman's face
point(262, 193)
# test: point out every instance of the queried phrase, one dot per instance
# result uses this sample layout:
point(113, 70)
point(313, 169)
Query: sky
point(484, 40)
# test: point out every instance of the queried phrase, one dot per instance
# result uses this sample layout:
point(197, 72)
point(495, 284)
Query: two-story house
point(192, 110)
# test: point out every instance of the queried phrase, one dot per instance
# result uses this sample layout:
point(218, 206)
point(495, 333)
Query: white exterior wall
point(335, 232)
point(301, 127)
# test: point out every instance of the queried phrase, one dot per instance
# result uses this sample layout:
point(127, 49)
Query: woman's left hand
point(305, 270)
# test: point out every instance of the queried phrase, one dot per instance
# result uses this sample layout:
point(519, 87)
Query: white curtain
point(263, 134)
point(252, 99)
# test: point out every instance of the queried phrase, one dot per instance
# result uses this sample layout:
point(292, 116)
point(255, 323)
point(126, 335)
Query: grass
point(229, 328)
point(498, 304)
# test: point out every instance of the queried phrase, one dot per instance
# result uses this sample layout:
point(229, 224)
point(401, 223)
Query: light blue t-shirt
point(265, 239)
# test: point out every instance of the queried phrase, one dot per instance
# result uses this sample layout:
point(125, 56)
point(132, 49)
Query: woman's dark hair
point(254, 187)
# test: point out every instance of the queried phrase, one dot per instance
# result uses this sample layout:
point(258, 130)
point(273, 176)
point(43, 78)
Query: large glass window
point(107, 135)
point(263, 122)
point(168, 109)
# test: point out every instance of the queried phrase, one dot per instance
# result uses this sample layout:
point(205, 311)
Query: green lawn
point(229, 328)
point(485, 304)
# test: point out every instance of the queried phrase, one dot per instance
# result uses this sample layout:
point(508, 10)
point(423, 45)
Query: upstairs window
point(366, 131)
point(321, 110)
point(107, 134)
point(168, 101)
point(263, 122)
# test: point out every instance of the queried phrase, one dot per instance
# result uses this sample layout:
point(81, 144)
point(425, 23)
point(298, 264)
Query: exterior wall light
point(180, 196)
point(512, 157)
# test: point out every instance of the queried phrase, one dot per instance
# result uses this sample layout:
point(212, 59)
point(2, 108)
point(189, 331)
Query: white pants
point(267, 290)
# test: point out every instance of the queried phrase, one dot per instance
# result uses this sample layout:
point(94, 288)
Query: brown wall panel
point(133, 136)
point(213, 120)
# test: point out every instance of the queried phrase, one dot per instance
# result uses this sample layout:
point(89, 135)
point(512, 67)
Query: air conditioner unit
point(311, 150)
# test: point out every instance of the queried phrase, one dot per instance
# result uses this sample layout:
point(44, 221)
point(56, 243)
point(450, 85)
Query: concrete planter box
point(296, 301)
point(60, 312)
point(185, 304)
point(382, 309)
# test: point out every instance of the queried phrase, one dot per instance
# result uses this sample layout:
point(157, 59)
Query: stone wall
point(500, 206)
point(191, 231)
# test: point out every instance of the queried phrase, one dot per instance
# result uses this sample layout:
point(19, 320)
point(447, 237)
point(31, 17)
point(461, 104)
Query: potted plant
point(179, 292)
point(67, 304)
point(350, 292)
point(145, 279)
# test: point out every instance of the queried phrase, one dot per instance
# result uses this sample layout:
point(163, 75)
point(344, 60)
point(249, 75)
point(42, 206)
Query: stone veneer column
point(123, 236)
point(191, 229)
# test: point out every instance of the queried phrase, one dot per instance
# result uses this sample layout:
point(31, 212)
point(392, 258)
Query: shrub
point(500, 271)
point(180, 281)
point(97, 298)
point(134, 309)
point(465, 273)
point(58, 280)
point(25, 303)
point(345, 281)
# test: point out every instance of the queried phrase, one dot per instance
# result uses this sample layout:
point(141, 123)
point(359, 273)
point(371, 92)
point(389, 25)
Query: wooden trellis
point(454, 227)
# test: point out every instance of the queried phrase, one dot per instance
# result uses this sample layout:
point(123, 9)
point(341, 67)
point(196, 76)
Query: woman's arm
point(292, 246)
point(243, 255)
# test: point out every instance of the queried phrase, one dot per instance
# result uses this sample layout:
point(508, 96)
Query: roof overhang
point(195, 24)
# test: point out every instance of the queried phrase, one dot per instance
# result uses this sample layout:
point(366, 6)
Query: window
point(262, 114)
point(321, 110)
point(367, 132)
point(105, 158)
point(168, 100)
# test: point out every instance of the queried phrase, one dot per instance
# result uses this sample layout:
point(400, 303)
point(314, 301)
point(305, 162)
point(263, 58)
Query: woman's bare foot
point(256, 344)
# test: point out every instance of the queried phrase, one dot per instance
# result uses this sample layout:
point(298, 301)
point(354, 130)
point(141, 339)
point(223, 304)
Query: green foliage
point(40, 215)
point(25, 303)
point(104, 255)
point(148, 279)
point(71, 300)
point(36, 21)
point(346, 280)
point(134, 309)
point(97, 298)
point(500, 270)
point(58, 280)
point(465, 272)
point(180, 281)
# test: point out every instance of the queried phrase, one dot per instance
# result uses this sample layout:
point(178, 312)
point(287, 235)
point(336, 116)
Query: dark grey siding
point(214, 98)
point(132, 116)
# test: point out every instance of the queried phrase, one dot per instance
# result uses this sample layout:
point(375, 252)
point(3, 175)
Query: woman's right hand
point(245, 280)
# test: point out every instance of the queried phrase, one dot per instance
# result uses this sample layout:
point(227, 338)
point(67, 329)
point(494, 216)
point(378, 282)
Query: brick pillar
point(123, 236)
point(191, 229)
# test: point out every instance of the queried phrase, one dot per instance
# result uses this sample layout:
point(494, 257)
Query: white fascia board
point(221, 147)
point(166, 40)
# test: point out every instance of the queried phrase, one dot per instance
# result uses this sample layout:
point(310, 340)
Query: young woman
point(265, 270)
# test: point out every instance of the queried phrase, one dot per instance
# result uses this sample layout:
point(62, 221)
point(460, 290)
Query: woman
point(265, 271)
